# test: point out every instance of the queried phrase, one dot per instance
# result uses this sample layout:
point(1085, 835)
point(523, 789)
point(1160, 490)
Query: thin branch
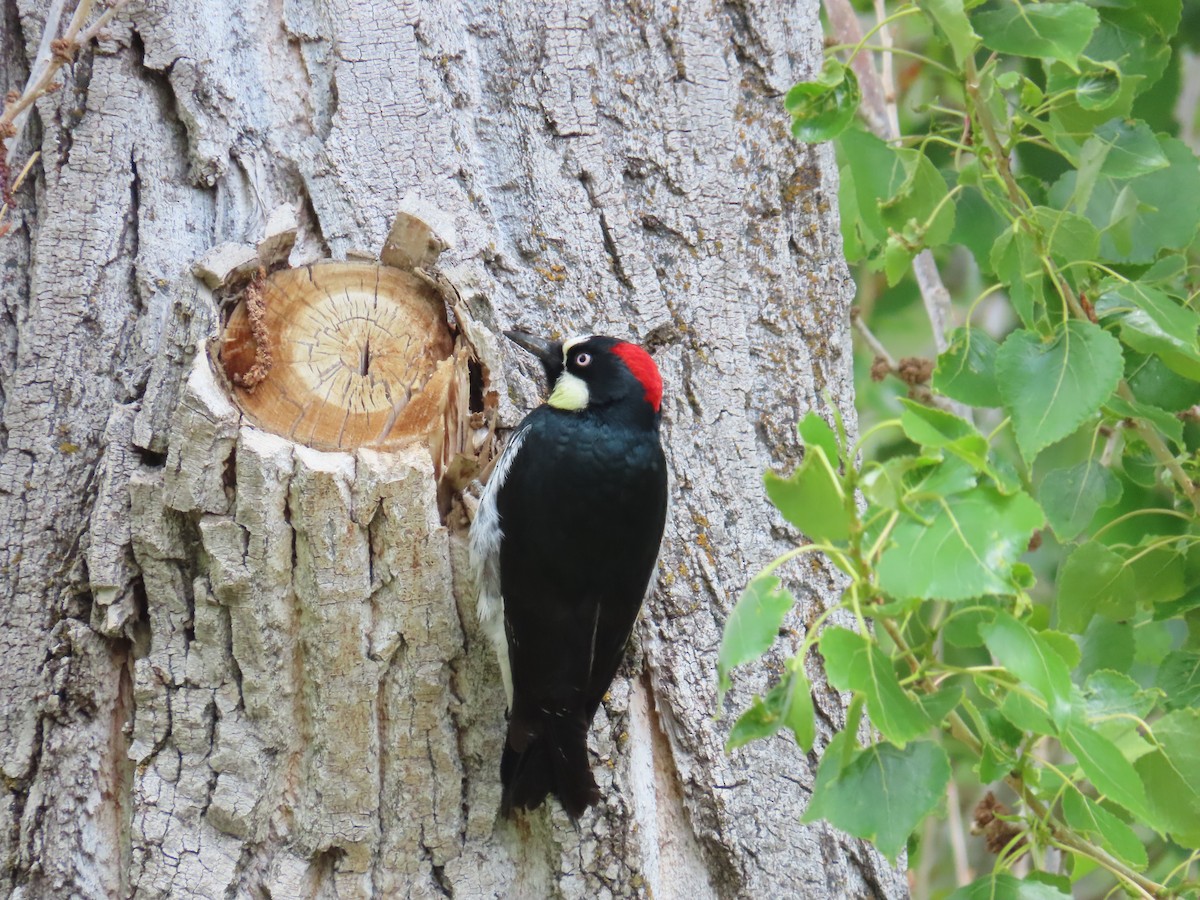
point(843, 21)
point(40, 62)
point(53, 53)
point(887, 75)
point(879, 98)
point(962, 867)
point(880, 351)
point(936, 297)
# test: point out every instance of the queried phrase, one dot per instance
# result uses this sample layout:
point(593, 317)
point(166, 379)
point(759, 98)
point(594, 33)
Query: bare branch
point(879, 110)
point(843, 21)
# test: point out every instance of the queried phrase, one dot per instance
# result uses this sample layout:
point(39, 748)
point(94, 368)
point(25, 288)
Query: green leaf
point(1062, 644)
point(1152, 323)
point(1107, 645)
point(941, 430)
point(1048, 30)
point(961, 629)
point(893, 483)
point(976, 225)
point(1109, 693)
point(918, 202)
point(756, 723)
point(1171, 609)
point(1002, 886)
point(788, 704)
point(1089, 818)
point(1106, 767)
point(882, 794)
point(873, 170)
point(1164, 421)
point(1110, 698)
point(1017, 264)
point(1071, 496)
point(1052, 387)
point(898, 254)
point(812, 499)
point(1179, 679)
point(1094, 579)
point(857, 242)
point(854, 663)
point(1177, 760)
point(952, 476)
point(815, 431)
point(1178, 736)
point(1140, 217)
point(1158, 571)
point(941, 703)
point(1152, 382)
point(962, 546)
point(1068, 237)
point(798, 714)
point(954, 26)
point(1152, 643)
point(1128, 148)
point(1098, 86)
point(822, 109)
point(899, 196)
point(1025, 714)
point(1020, 650)
point(1173, 797)
point(1133, 38)
point(753, 625)
point(1136, 37)
point(966, 370)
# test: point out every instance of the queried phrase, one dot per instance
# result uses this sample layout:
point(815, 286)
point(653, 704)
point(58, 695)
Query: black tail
point(547, 755)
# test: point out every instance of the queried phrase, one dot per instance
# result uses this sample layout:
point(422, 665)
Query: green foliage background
point(1018, 522)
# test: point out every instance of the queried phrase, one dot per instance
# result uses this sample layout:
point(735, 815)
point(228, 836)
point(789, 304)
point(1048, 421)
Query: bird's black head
point(597, 371)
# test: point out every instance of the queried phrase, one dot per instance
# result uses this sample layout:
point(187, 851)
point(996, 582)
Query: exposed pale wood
point(275, 684)
point(360, 357)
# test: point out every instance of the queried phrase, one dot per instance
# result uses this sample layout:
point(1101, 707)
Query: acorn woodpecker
point(564, 544)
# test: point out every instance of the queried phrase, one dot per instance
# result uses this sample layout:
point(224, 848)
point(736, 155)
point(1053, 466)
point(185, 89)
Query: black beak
point(548, 353)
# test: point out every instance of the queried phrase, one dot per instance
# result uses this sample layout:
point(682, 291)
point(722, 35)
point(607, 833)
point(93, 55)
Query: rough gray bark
point(233, 666)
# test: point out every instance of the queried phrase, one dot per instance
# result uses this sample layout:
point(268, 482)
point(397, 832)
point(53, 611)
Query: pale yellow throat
point(570, 393)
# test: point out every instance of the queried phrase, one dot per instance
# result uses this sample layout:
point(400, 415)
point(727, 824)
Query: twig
point(881, 115)
point(53, 16)
point(962, 868)
point(843, 21)
point(53, 53)
point(872, 342)
point(59, 51)
point(887, 75)
point(16, 183)
point(935, 296)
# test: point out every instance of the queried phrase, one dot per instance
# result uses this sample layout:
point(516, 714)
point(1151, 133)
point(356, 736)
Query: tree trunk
point(235, 665)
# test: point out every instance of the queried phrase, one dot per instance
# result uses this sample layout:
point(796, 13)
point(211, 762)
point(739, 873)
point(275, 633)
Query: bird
point(564, 544)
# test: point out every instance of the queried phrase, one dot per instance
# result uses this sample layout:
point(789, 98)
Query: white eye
point(583, 359)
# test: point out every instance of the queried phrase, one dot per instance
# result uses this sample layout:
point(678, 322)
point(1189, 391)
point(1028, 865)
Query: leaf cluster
point(1078, 684)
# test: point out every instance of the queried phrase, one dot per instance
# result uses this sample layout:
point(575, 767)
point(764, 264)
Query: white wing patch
point(486, 533)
